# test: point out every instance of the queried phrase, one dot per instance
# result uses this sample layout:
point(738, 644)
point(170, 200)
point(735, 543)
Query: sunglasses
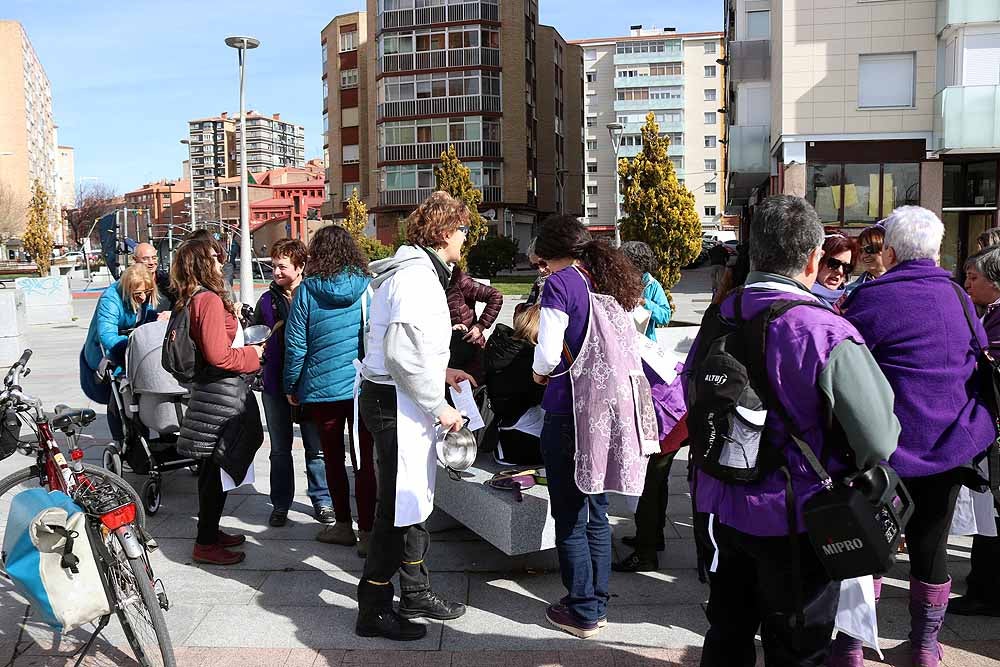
point(834, 264)
point(871, 250)
point(464, 229)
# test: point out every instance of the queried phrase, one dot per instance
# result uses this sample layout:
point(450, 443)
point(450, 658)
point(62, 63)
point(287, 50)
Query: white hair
point(913, 232)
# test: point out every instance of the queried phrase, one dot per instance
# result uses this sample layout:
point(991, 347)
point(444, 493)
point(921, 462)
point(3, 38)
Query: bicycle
point(113, 508)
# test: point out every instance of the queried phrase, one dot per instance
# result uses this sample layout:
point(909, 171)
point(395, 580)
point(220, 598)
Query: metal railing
point(412, 197)
point(467, 11)
point(433, 151)
point(467, 57)
point(440, 105)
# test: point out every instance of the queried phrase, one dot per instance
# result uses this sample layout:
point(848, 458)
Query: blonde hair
point(526, 324)
point(435, 220)
point(137, 277)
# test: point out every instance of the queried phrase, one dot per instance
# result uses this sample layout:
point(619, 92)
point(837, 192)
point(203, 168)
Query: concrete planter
point(12, 326)
point(46, 300)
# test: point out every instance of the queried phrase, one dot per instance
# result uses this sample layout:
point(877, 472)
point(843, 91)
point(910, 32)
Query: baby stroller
point(151, 404)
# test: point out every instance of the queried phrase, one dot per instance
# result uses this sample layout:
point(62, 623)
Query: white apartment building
point(678, 78)
point(862, 106)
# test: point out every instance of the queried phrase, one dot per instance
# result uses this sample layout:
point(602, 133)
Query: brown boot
point(341, 533)
point(215, 554)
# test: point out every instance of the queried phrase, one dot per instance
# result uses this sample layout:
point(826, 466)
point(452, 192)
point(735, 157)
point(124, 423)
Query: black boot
point(429, 605)
point(387, 623)
point(637, 562)
point(633, 541)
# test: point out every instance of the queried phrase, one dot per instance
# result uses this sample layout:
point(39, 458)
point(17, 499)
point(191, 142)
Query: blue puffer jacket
point(112, 316)
point(322, 336)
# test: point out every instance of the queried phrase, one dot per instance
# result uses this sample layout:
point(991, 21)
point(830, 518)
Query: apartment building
point(214, 152)
point(483, 76)
point(674, 76)
point(27, 131)
point(65, 177)
point(862, 107)
point(166, 203)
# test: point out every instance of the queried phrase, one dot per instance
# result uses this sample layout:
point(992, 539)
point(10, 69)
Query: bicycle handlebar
point(14, 374)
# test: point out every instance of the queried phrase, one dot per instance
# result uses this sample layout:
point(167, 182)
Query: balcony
point(636, 128)
point(957, 12)
point(646, 58)
point(632, 151)
point(967, 117)
point(467, 57)
point(649, 105)
point(440, 105)
point(648, 81)
point(749, 159)
point(491, 195)
point(467, 11)
point(750, 61)
point(432, 151)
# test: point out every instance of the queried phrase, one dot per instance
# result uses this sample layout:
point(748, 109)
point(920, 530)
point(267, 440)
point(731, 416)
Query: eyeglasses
point(150, 258)
point(834, 264)
point(464, 229)
point(871, 250)
point(141, 292)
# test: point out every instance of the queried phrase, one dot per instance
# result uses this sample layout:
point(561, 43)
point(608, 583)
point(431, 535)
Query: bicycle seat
point(80, 417)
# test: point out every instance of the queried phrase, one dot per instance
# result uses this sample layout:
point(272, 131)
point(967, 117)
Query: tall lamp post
point(170, 222)
point(242, 45)
point(616, 130)
point(190, 180)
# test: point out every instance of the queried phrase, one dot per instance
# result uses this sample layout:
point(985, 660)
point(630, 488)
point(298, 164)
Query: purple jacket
point(799, 345)
point(911, 319)
point(991, 322)
point(272, 308)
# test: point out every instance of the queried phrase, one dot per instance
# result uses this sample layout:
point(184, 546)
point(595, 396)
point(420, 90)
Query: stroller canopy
point(143, 367)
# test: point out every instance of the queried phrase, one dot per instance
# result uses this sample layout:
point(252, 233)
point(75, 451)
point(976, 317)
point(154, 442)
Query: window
point(710, 188)
point(710, 141)
point(710, 70)
point(709, 47)
point(666, 69)
point(886, 80)
point(676, 138)
point(710, 211)
point(349, 188)
point(349, 78)
point(710, 165)
point(710, 94)
point(677, 162)
point(349, 41)
point(591, 77)
point(632, 94)
point(351, 154)
point(859, 194)
point(590, 54)
point(758, 25)
point(326, 92)
point(592, 190)
point(592, 211)
point(710, 118)
point(591, 121)
point(591, 167)
point(591, 144)
point(324, 55)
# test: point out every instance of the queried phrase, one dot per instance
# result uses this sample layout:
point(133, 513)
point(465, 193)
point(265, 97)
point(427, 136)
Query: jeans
point(651, 513)
point(752, 587)
point(211, 502)
point(391, 548)
point(583, 536)
point(934, 499)
point(279, 427)
point(323, 425)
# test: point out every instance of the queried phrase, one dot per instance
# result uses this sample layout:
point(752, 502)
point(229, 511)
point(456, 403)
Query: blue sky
point(127, 75)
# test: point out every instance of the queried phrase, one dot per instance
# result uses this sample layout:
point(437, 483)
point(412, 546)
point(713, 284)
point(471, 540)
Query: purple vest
point(798, 348)
point(912, 320)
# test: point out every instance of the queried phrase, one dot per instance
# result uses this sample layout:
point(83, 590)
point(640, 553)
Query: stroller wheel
point(111, 460)
point(150, 494)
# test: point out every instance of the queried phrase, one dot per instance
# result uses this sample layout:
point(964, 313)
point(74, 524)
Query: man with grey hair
point(816, 370)
point(922, 330)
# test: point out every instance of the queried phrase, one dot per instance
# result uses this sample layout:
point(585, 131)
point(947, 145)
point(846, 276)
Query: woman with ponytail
point(592, 441)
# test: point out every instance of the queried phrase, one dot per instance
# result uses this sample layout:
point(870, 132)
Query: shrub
point(492, 255)
point(373, 248)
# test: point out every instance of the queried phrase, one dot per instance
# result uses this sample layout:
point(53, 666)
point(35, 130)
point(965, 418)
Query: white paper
point(663, 362)
point(228, 483)
point(465, 403)
point(856, 611)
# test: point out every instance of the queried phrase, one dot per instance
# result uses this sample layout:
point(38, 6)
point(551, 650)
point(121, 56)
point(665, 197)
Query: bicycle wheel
point(138, 605)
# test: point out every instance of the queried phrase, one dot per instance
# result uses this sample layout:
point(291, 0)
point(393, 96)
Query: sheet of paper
point(663, 362)
point(466, 404)
point(228, 483)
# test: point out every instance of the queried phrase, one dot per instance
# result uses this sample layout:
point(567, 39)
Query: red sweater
point(213, 329)
point(463, 294)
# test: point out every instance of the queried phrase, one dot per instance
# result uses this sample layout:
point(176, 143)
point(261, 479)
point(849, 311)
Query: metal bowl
point(457, 450)
point(256, 335)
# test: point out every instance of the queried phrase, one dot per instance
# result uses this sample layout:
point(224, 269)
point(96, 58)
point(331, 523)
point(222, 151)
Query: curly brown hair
point(294, 249)
point(435, 220)
point(194, 268)
point(565, 237)
point(333, 251)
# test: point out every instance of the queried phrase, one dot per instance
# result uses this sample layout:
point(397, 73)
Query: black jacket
point(222, 421)
point(167, 294)
point(509, 382)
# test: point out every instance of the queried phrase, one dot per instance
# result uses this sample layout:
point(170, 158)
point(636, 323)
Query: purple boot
point(928, 604)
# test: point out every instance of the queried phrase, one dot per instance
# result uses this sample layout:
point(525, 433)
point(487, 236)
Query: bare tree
point(13, 213)
point(93, 200)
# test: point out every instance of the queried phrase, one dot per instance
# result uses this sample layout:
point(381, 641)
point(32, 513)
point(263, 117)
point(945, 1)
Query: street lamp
point(616, 130)
point(190, 180)
point(242, 45)
point(170, 229)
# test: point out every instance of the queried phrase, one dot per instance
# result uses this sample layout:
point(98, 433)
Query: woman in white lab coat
point(402, 398)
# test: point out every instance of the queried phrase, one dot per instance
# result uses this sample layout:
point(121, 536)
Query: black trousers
point(390, 548)
point(752, 588)
point(984, 578)
point(211, 502)
point(651, 513)
point(934, 499)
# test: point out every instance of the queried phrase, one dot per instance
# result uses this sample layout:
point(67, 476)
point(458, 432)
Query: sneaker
point(363, 538)
point(561, 617)
point(633, 541)
point(341, 533)
point(601, 622)
point(227, 541)
point(278, 518)
point(429, 605)
point(637, 563)
point(324, 514)
point(214, 554)
point(388, 624)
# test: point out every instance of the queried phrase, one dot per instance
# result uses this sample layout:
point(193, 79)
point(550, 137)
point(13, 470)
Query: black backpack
point(180, 356)
point(729, 395)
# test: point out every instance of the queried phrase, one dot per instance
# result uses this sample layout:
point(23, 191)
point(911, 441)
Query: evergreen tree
point(453, 177)
point(37, 237)
point(657, 209)
point(355, 223)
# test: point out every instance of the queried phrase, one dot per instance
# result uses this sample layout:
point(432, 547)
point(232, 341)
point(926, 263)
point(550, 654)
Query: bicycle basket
point(10, 433)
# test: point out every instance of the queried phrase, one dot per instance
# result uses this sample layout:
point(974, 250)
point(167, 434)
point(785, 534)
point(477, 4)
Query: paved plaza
point(292, 601)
